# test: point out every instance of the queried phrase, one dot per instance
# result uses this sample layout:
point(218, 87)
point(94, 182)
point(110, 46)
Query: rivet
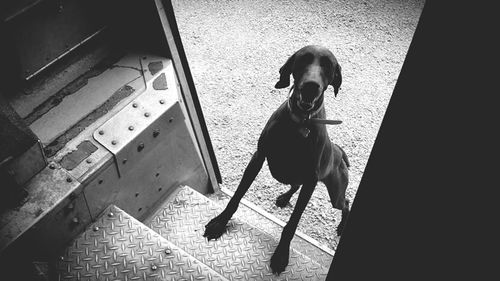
point(124, 161)
point(134, 105)
point(162, 101)
point(110, 214)
point(140, 147)
point(96, 228)
point(146, 114)
point(88, 160)
point(52, 166)
point(68, 179)
point(61, 258)
point(101, 132)
point(168, 251)
point(113, 142)
point(154, 267)
point(75, 220)
point(156, 133)
point(171, 119)
point(131, 128)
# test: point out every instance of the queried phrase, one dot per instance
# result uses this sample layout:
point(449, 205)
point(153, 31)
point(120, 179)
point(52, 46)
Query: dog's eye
point(326, 64)
point(303, 61)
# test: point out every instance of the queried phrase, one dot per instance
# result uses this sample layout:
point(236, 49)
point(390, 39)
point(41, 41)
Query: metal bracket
point(144, 122)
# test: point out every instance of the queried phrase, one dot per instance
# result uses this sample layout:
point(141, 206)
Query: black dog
point(297, 147)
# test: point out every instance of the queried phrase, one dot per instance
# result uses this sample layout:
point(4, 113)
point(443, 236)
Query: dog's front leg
point(217, 226)
point(279, 260)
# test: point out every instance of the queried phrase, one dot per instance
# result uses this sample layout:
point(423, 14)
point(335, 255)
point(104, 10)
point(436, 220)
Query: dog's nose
point(310, 87)
point(309, 91)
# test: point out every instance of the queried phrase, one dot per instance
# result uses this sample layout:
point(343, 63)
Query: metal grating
point(118, 247)
point(243, 253)
point(254, 215)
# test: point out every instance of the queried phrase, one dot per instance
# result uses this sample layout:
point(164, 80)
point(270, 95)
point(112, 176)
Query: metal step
point(244, 252)
point(255, 215)
point(118, 247)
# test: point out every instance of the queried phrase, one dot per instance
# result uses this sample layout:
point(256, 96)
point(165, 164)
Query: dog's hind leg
point(217, 226)
point(284, 198)
point(336, 183)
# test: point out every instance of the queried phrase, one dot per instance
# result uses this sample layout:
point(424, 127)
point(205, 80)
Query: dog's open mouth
point(304, 105)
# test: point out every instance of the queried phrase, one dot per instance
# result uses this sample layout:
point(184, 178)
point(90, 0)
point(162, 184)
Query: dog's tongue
point(305, 105)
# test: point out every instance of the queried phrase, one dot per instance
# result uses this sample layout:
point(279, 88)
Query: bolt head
point(140, 147)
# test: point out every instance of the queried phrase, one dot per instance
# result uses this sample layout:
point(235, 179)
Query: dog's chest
point(289, 154)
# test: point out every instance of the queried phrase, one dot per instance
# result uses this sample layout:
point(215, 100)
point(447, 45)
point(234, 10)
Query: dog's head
point(313, 69)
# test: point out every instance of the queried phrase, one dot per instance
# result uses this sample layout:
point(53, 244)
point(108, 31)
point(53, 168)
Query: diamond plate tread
point(118, 247)
point(242, 253)
point(247, 213)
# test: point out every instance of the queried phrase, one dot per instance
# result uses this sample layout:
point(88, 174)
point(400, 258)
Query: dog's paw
point(340, 228)
point(282, 200)
point(215, 228)
point(345, 215)
point(279, 260)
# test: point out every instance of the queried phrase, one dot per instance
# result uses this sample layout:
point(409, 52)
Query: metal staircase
point(169, 245)
point(118, 247)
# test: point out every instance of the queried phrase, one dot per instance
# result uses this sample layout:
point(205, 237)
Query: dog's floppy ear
point(285, 72)
point(337, 79)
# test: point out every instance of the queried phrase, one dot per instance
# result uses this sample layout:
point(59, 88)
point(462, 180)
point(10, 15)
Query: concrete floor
point(235, 49)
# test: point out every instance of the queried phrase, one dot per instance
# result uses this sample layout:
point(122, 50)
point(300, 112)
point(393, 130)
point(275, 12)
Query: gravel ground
point(235, 49)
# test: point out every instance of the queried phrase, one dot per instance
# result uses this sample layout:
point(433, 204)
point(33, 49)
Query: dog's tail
point(344, 157)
